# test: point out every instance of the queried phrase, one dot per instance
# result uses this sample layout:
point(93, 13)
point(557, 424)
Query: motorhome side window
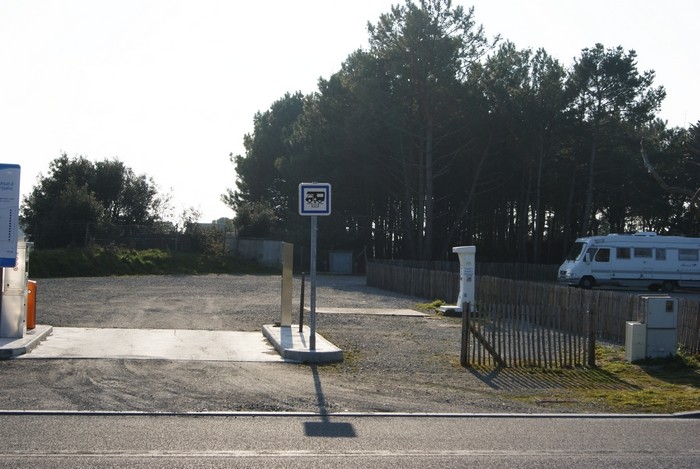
point(623, 253)
point(603, 255)
point(687, 254)
point(660, 254)
point(642, 252)
point(590, 254)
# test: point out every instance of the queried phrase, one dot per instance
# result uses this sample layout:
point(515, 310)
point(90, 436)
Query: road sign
point(9, 213)
point(314, 198)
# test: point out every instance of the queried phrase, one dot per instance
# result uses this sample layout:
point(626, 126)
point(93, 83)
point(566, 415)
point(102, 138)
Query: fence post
point(301, 305)
point(591, 337)
point(464, 352)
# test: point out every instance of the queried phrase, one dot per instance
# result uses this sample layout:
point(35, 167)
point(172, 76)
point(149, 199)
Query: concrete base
point(451, 310)
point(294, 345)
point(155, 344)
point(11, 347)
point(370, 311)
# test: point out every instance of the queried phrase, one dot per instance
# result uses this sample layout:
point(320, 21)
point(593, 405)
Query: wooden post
point(591, 337)
point(485, 344)
point(464, 352)
point(301, 305)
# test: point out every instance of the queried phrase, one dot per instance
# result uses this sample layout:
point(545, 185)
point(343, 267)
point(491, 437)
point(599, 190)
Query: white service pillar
point(467, 272)
point(13, 298)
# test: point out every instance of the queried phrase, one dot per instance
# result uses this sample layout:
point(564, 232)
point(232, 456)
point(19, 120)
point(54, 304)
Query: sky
point(170, 87)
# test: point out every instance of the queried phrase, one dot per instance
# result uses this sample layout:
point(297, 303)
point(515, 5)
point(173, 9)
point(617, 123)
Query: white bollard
point(467, 274)
point(467, 266)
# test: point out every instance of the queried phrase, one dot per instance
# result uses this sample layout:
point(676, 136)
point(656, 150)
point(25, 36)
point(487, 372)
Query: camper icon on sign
point(315, 198)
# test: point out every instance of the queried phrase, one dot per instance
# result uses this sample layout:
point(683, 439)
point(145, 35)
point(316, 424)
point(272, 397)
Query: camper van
point(643, 260)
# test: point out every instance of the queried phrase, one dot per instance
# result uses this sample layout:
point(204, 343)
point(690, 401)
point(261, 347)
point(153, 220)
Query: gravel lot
point(393, 364)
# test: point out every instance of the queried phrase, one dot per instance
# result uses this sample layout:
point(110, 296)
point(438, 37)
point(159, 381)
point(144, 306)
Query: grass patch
point(101, 262)
point(665, 385)
point(434, 308)
point(430, 308)
point(650, 386)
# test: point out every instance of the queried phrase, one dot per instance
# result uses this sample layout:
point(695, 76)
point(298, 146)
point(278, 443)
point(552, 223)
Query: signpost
point(314, 200)
point(9, 213)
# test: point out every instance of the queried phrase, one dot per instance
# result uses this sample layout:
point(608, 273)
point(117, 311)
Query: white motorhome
point(642, 259)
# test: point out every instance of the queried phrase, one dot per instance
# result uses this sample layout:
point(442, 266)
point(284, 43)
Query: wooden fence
point(518, 271)
point(612, 308)
point(413, 281)
point(498, 335)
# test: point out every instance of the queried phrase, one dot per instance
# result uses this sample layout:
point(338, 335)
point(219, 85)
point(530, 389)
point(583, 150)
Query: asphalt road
point(311, 440)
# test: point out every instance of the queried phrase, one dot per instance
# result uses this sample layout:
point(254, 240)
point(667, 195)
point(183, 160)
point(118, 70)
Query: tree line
point(437, 135)
point(77, 192)
point(81, 203)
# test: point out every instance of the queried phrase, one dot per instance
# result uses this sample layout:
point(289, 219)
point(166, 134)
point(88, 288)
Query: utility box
point(635, 341)
point(13, 304)
point(13, 314)
point(660, 315)
point(15, 278)
point(660, 312)
point(340, 262)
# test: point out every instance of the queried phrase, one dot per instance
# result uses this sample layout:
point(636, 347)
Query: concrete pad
point(13, 347)
point(155, 344)
point(451, 310)
point(373, 311)
point(294, 345)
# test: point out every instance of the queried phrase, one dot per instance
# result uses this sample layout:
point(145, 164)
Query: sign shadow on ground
point(325, 428)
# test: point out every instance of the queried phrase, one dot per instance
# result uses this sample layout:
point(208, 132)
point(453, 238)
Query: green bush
point(101, 262)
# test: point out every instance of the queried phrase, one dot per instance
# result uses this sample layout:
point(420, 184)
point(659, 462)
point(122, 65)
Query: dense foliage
point(78, 194)
point(98, 262)
point(437, 136)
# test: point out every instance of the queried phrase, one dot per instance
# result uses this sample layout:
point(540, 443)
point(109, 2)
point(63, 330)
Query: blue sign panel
point(314, 198)
point(9, 213)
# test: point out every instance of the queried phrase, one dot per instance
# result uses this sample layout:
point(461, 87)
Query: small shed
point(340, 262)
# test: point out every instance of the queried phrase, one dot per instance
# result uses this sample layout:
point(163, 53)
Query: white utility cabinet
point(635, 341)
point(13, 300)
point(658, 323)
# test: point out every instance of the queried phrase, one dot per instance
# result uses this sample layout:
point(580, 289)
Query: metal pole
point(312, 315)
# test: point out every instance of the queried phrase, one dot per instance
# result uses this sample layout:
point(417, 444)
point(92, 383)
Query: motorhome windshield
point(576, 251)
